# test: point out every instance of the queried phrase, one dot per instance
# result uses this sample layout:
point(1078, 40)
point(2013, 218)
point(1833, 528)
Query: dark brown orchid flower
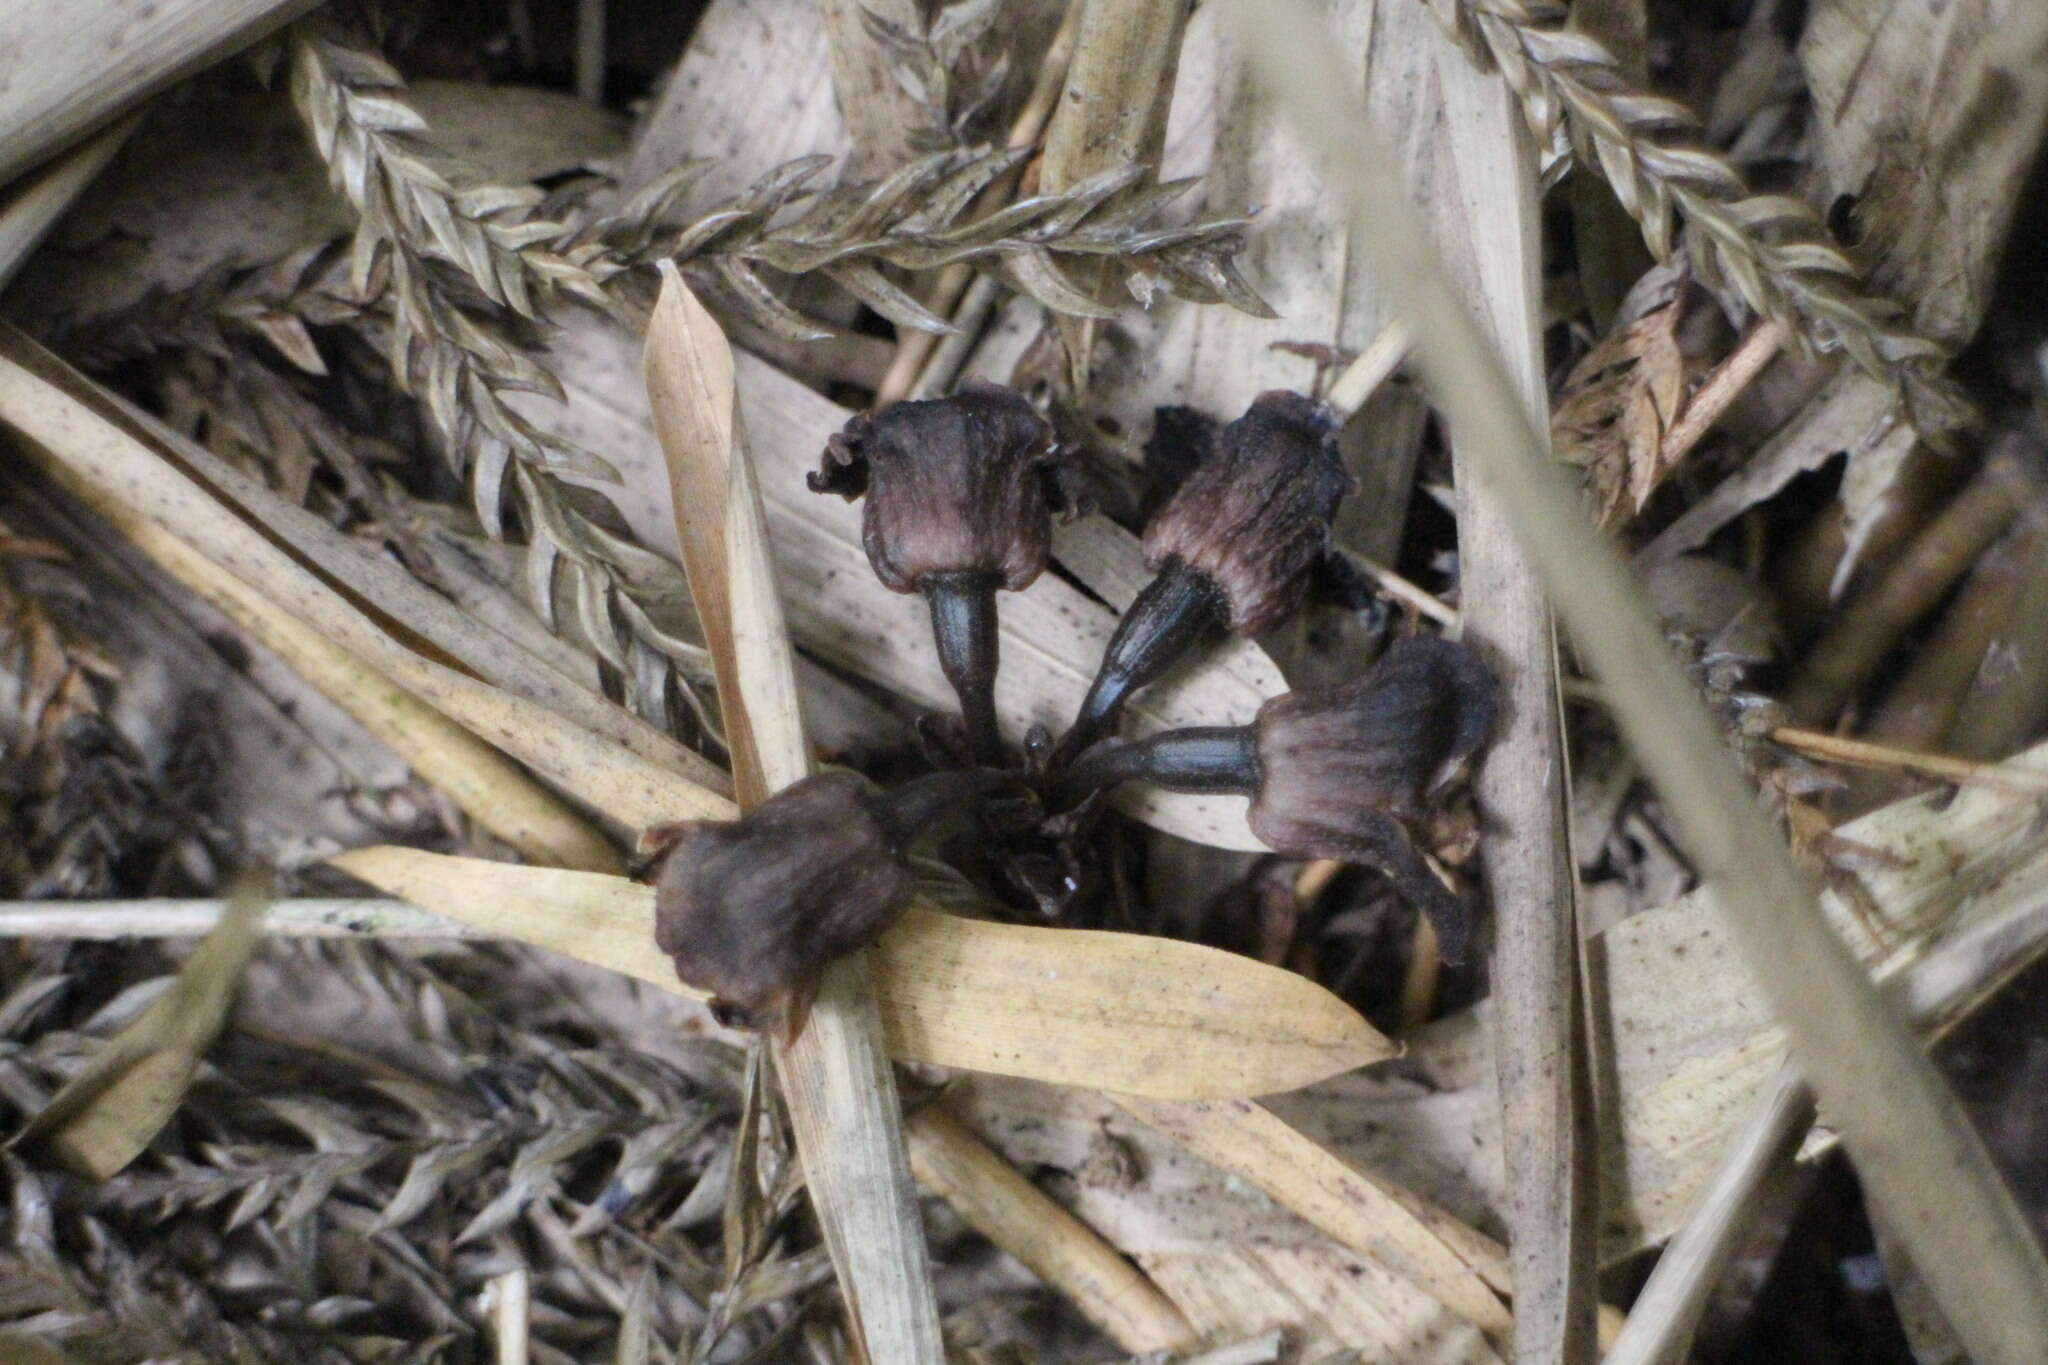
point(960, 495)
point(753, 909)
point(1342, 772)
point(1232, 548)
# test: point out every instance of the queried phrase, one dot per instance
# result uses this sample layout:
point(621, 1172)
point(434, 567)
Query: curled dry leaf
point(1124, 1012)
point(106, 1114)
point(1619, 401)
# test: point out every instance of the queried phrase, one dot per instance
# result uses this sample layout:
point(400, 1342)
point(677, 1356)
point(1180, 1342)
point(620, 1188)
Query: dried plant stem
point(1773, 249)
point(836, 1074)
point(1914, 1148)
point(2010, 702)
point(1371, 368)
point(950, 1161)
point(1722, 387)
point(1522, 785)
point(1405, 591)
point(511, 1314)
point(1922, 706)
point(1940, 767)
point(1844, 658)
point(305, 917)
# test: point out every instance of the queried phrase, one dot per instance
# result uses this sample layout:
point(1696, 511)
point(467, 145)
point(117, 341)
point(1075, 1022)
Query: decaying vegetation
point(410, 567)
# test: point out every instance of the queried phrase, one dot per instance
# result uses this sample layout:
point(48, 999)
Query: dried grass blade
point(1347, 1203)
point(1052, 1243)
point(106, 1114)
point(1140, 1015)
point(836, 1075)
point(1913, 1146)
point(498, 660)
point(119, 461)
point(1494, 250)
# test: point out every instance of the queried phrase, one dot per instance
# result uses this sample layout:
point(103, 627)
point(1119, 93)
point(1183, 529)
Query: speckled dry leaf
point(1618, 402)
point(1926, 117)
point(1350, 1204)
point(1329, 1300)
point(1125, 1012)
point(1692, 1039)
point(106, 1114)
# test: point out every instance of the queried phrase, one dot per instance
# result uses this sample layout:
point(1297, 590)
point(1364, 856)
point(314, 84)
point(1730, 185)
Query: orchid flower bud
point(1341, 772)
point(960, 494)
point(752, 910)
point(1231, 549)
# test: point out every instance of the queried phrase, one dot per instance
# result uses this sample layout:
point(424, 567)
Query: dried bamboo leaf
point(1125, 1012)
point(1329, 1302)
point(836, 1075)
point(1486, 222)
point(1054, 1245)
point(1892, 100)
point(1377, 1220)
point(105, 1115)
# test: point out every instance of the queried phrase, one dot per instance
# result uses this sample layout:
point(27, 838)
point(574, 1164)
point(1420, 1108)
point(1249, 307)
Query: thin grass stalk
point(1661, 1321)
point(836, 1075)
point(1914, 1148)
point(1523, 785)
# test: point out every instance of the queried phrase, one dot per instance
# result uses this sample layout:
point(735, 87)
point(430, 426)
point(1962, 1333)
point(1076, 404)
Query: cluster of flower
point(960, 495)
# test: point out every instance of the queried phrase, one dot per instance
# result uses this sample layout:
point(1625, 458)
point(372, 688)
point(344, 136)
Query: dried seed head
point(959, 485)
point(1345, 772)
point(1254, 516)
point(752, 910)
point(1384, 742)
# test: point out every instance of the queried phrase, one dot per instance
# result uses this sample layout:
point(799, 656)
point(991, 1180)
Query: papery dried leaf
point(1616, 406)
point(1106, 1011)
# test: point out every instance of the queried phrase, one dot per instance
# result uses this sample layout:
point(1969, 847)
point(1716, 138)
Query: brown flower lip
point(752, 910)
point(960, 494)
point(1231, 548)
point(1340, 772)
